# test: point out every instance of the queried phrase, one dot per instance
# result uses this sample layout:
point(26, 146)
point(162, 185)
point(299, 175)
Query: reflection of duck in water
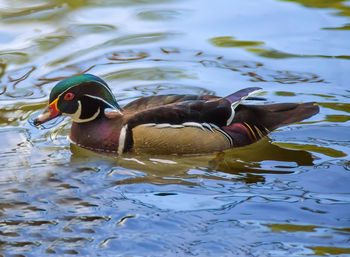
point(245, 164)
point(167, 124)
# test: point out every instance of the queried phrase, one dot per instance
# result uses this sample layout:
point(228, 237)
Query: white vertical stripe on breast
point(122, 140)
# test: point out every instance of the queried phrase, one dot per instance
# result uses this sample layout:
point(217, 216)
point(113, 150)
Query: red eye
point(69, 96)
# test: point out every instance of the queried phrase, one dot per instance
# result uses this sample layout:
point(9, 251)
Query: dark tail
point(277, 115)
point(256, 121)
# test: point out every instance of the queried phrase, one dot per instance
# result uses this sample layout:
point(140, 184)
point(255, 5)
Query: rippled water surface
point(287, 195)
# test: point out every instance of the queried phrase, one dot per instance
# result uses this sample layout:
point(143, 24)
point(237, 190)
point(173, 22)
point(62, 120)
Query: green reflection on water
point(231, 42)
point(344, 27)
point(321, 95)
point(86, 29)
point(345, 107)
point(159, 14)
point(284, 93)
point(337, 118)
point(346, 230)
point(49, 42)
point(47, 11)
point(154, 73)
point(276, 54)
point(50, 10)
point(18, 112)
point(329, 250)
point(340, 5)
point(138, 39)
point(314, 148)
point(271, 53)
point(14, 57)
point(277, 228)
point(118, 41)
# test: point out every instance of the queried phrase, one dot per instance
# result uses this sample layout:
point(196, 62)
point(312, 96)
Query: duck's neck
point(99, 135)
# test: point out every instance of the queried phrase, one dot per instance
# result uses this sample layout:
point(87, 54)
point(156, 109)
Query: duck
point(165, 124)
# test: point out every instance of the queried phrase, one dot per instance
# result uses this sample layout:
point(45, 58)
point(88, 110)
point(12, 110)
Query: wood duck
point(164, 124)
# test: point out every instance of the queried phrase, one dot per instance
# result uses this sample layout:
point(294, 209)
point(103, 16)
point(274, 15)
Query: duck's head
point(82, 97)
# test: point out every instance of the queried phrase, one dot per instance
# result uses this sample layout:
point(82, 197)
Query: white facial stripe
point(122, 139)
point(235, 104)
point(76, 116)
point(107, 88)
point(102, 100)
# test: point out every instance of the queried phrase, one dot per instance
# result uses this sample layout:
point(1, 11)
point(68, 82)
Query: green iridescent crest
point(89, 85)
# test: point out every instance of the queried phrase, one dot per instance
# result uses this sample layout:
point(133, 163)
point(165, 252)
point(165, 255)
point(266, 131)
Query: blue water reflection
point(287, 195)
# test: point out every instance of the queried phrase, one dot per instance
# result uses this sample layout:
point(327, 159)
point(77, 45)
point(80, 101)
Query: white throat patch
point(76, 116)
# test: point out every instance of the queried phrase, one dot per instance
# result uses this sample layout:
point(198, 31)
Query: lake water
point(287, 195)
